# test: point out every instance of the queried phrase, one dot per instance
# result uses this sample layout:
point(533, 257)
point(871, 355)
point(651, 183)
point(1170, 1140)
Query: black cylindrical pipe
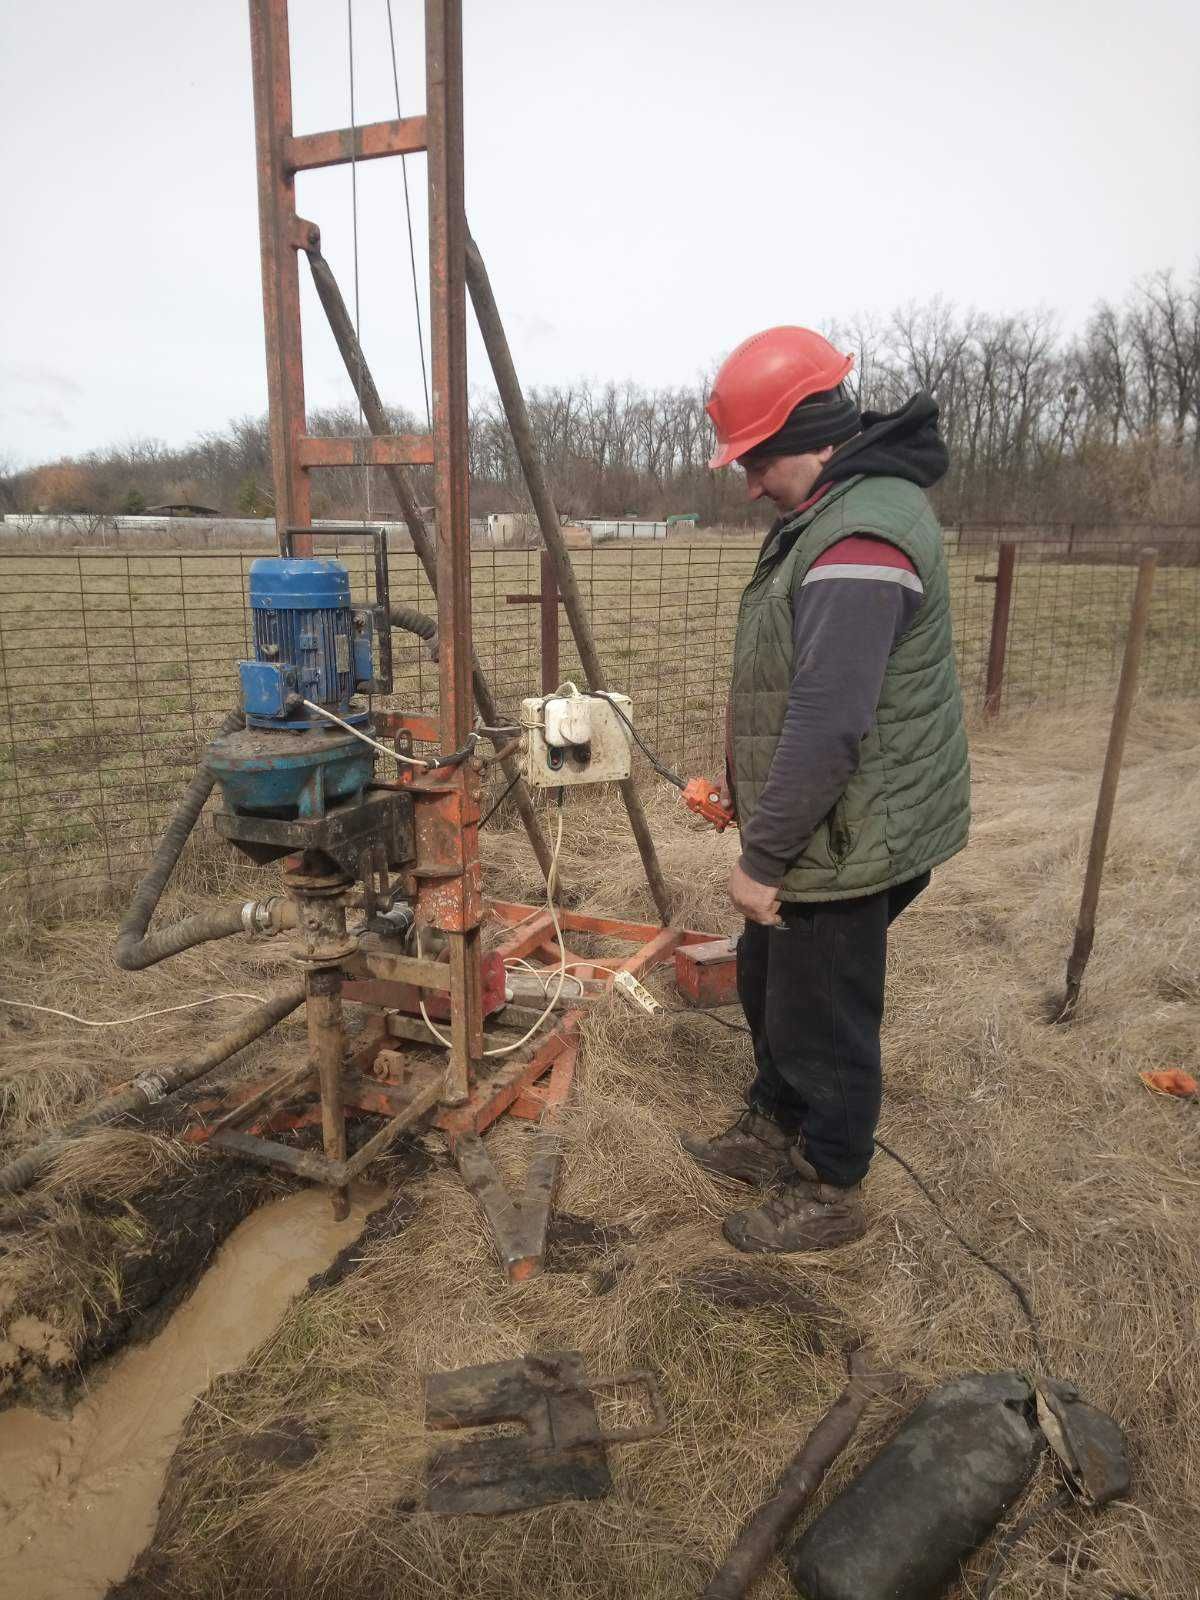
point(414, 621)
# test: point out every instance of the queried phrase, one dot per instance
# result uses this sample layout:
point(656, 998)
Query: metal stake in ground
point(500, 356)
point(1085, 928)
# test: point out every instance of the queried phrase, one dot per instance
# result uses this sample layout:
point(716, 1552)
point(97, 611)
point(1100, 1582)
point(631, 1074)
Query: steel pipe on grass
point(151, 1087)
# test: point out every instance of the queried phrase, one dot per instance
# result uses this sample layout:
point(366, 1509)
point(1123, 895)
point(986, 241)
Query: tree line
point(1103, 425)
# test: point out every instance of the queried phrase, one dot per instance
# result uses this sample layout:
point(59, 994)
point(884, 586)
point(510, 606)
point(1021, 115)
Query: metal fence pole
point(998, 644)
point(549, 614)
point(1085, 928)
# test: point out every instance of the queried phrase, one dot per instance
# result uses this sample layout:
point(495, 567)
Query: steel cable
point(412, 254)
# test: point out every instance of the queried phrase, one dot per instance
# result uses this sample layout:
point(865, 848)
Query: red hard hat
point(762, 380)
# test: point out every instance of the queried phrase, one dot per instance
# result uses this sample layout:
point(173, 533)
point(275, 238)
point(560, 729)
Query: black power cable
point(710, 1016)
point(663, 771)
point(1013, 1282)
point(495, 806)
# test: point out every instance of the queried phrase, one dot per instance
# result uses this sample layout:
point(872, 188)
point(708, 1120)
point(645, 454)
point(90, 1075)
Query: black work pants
point(812, 991)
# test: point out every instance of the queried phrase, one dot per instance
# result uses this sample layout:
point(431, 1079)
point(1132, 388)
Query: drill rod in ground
point(799, 1481)
point(342, 328)
point(326, 1047)
point(500, 356)
point(1085, 928)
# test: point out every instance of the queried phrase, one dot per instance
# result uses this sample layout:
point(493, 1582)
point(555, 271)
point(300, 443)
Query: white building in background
point(603, 528)
point(514, 528)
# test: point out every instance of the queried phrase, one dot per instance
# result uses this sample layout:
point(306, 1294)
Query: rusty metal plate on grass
point(560, 1455)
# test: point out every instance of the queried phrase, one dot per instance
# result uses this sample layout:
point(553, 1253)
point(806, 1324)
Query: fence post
point(1085, 927)
point(549, 594)
point(994, 684)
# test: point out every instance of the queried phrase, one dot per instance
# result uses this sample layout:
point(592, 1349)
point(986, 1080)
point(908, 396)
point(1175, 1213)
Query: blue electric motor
point(309, 644)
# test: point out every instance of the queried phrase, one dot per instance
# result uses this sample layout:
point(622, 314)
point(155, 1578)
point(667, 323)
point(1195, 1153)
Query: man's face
point(785, 480)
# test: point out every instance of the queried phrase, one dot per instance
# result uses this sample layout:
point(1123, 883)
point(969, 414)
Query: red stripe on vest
point(861, 550)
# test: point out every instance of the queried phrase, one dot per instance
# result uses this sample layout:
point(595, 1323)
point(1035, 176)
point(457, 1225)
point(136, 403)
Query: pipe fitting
point(264, 919)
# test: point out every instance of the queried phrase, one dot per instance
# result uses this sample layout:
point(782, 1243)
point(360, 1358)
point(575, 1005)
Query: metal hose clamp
point(258, 918)
point(152, 1086)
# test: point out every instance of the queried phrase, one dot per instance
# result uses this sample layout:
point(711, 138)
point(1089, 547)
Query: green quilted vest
point(908, 805)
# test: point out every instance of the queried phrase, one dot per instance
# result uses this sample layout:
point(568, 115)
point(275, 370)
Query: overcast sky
point(649, 181)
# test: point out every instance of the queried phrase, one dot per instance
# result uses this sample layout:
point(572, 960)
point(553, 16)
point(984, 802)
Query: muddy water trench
point(79, 1494)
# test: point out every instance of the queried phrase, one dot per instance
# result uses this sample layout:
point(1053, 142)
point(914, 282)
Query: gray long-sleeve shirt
point(852, 607)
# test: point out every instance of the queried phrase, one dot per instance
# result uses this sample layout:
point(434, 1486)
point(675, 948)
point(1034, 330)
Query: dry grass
point(63, 1242)
point(1041, 1142)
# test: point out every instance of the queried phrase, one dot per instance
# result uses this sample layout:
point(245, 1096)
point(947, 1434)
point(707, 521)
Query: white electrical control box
point(575, 738)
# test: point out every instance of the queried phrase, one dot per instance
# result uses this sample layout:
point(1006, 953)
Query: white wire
point(595, 965)
point(27, 1005)
point(544, 978)
point(412, 761)
point(507, 1049)
point(539, 973)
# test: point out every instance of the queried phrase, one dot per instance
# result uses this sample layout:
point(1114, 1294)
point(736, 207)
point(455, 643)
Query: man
point(846, 762)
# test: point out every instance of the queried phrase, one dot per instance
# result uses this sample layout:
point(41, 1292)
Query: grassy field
point(1041, 1143)
point(115, 668)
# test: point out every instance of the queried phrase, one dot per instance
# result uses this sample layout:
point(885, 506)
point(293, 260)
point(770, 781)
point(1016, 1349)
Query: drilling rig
point(381, 887)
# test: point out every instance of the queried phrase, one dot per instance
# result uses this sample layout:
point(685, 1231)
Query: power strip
point(637, 993)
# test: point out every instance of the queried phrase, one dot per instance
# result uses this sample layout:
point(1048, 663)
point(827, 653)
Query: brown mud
point(78, 1495)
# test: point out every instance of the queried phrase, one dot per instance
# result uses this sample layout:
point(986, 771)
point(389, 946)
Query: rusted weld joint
point(320, 900)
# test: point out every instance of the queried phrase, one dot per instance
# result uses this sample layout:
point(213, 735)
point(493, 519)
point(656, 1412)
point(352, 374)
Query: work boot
point(754, 1150)
point(806, 1214)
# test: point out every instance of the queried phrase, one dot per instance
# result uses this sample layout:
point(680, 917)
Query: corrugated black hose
point(135, 948)
point(417, 622)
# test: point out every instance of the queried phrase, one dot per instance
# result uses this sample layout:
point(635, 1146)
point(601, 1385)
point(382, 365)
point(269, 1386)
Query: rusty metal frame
point(447, 803)
point(532, 1085)
point(453, 1092)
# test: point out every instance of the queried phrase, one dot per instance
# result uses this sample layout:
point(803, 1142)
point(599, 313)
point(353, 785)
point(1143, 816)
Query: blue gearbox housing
point(310, 643)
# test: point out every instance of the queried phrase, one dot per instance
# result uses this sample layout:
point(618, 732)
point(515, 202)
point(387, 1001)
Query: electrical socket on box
point(572, 739)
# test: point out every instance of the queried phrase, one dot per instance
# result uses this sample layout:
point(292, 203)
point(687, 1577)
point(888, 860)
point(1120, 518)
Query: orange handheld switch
point(703, 797)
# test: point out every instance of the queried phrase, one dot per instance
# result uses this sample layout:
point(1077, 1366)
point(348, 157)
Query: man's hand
point(757, 902)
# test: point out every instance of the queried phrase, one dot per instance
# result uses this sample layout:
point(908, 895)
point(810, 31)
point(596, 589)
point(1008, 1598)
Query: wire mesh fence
point(116, 668)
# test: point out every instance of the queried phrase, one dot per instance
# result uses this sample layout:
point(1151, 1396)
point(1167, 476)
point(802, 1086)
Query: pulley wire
point(412, 254)
point(362, 422)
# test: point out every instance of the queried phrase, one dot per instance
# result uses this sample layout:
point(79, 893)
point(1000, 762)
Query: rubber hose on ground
point(151, 1087)
point(135, 948)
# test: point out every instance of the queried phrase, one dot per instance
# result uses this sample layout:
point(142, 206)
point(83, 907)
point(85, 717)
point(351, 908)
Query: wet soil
point(78, 1495)
point(177, 1229)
